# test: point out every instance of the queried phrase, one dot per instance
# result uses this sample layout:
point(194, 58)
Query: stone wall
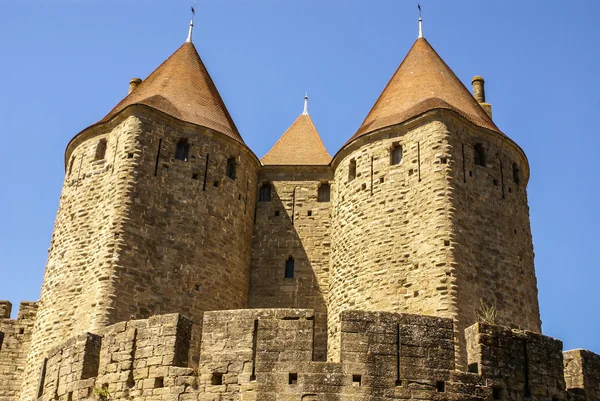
point(15, 338)
point(435, 234)
point(139, 233)
point(390, 228)
point(293, 224)
point(582, 374)
point(260, 354)
point(77, 294)
point(491, 235)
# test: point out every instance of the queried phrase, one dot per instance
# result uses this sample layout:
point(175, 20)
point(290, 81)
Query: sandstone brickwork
point(260, 354)
point(293, 223)
point(15, 339)
point(183, 268)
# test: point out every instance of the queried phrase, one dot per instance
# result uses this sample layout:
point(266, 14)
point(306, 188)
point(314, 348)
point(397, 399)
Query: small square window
point(293, 378)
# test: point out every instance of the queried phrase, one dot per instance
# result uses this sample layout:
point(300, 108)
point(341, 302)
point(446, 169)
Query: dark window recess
point(21, 331)
point(100, 150)
point(396, 154)
point(71, 165)
point(309, 213)
point(182, 150)
point(197, 287)
point(130, 155)
point(356, 380)
point(473, 368)
point(444, 160)
point(264, 192)
point(289, 268)
point(324, 194)
point(216, 184)
point(217, 379)
point(516, 174)
point(479, 155)
point(446, 243)
point(293, 378)
point(440, 386)
point(352, 170)
point(195, 176)
point(1, 340)
point(230, 170)
point(159, 382)
point(276, 213)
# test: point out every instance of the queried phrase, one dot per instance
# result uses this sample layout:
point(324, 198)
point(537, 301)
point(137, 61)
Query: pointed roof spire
point(305, 112)
point(189, 38)
point(182, 88)
point(423, 82)
point(420, 21)
point(300, 145)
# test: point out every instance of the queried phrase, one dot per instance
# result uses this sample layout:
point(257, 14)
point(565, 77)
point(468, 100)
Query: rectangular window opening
point(264, 192)
point(356, 380)
point(100, 150)
point(289, 268)
point(231, 167)
point(473, 368)
point(324, 193)
point(217, 379)
point(309, 213)
point(440, 386)
point(352, 170)
point(182, 150)
point(293, 378)
point(396, 154)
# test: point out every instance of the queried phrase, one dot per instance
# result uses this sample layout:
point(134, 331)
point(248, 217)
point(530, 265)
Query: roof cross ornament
point(189, 38)
point(305, 112)
point(420, 21)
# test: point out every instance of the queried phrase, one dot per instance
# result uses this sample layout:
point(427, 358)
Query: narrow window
point(71, 163)
point(516, 174)
point(479, 155)
point(440, 386)
point(396, 154)
point(182, 150)
point(264, 192)
point(293, 378)
point(159, 382)
point(100, 150)
point(356, 380)
point(324, 192)
point(289, 268)
point(352, 170)
point(230, 170)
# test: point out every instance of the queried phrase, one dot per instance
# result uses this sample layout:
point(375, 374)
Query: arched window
point(182, 150)
point(324, 192)
point(230, 170)
point(396, 154)
point(289, 268)
point(100, 150)
point(516, 174)
point(479, 155)
point(264, 192)
point(352, 170)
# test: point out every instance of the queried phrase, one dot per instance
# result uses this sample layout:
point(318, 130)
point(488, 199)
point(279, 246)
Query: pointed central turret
point(182, 88)
point(299, 145)
point(423, 82)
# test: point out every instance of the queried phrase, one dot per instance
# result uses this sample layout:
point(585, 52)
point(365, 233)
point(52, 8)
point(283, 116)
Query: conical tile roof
point(423, 82)
point(182, 88)
point(299, 145)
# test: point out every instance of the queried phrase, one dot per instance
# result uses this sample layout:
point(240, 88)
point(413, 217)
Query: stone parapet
point(268, 354)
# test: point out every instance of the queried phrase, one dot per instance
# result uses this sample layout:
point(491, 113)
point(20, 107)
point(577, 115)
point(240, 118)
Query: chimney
point(133, 84)
point(479, 94)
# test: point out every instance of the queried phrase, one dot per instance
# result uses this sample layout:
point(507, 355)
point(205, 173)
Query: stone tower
point(291, 247)
point(430, 210)
point(155, 214)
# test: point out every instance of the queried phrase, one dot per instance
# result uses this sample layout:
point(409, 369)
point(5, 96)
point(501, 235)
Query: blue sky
point(66, 63)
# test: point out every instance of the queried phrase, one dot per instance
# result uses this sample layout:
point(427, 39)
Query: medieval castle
point(184, 268)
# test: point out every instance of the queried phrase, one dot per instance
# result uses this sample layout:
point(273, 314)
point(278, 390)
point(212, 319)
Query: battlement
point(260, 354)
point(15, 338)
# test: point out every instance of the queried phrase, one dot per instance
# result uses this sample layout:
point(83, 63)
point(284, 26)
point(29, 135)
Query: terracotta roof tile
point(182, 88)
point(421, 83)
point(299, 145)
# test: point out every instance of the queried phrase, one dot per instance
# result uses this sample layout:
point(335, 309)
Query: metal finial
point(305, 112)
point(420, 21)
point(189, 38)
